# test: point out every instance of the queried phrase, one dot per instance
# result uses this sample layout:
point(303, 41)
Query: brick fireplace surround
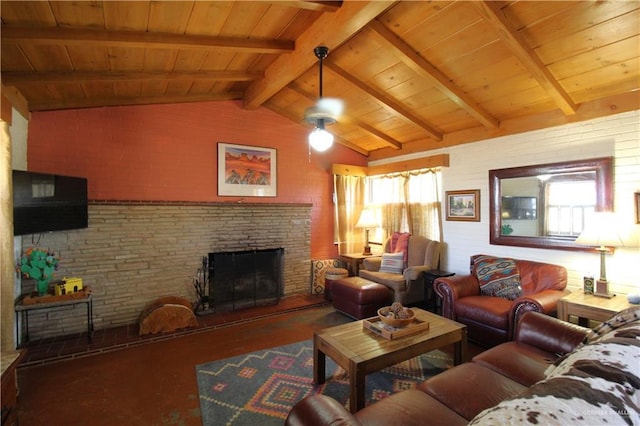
point(134, 252)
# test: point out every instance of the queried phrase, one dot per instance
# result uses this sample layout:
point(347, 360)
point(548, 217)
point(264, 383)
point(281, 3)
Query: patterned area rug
point(260, 388)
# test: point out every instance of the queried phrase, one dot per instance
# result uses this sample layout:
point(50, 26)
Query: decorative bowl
point(395, 322)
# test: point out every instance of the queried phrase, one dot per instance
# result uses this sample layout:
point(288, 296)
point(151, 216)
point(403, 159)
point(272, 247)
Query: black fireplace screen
point(244, 279)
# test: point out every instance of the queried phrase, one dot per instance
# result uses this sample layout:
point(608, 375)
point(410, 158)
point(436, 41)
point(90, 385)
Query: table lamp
point(601, 231)
point(367, 221)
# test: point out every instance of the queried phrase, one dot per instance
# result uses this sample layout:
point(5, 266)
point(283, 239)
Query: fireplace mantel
point(239, 202)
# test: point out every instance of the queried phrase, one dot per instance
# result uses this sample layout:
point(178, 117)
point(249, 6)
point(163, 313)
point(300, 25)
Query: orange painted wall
point(169, 153)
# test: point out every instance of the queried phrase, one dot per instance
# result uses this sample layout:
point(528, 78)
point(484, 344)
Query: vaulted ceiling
point(414, 75)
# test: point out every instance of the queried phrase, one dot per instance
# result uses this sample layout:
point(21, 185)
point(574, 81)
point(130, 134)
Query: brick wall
point(132, 253)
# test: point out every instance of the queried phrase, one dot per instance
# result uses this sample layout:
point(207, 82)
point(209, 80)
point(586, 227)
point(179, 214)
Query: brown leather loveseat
point(519, 286)
point(456, 396)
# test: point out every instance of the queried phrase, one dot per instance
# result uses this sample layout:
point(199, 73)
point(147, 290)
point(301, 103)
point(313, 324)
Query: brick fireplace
point(135, 252)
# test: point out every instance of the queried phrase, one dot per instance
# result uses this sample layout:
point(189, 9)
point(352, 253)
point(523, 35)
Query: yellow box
point(68, 285)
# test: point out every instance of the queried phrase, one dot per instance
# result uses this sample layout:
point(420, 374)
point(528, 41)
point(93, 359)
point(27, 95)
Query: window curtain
point(408, 202)
point(349, 197)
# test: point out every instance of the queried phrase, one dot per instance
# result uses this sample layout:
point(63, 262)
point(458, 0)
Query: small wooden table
point(590, 307)
point(353, 261)
point(361, 352)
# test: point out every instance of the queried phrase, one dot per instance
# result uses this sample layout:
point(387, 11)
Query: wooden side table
point(353, 261)
point(52, 302)
point(589, 307)
point(431, 303)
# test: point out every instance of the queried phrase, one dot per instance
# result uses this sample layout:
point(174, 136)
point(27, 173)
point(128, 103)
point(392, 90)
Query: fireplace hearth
point(245, 279)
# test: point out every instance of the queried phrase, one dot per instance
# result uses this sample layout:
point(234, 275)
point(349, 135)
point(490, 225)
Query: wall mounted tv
point(44, 202)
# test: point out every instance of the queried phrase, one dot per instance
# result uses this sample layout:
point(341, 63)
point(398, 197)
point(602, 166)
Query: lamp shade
point(601, 229)
point(367, 219)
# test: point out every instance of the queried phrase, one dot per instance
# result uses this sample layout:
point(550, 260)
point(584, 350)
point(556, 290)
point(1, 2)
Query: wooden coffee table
point(361, 352)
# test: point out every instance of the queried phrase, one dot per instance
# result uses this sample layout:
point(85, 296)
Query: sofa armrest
point(548, 333)
point(455, 287)
point(319, 410)
point(372, 263)
point(545, 301)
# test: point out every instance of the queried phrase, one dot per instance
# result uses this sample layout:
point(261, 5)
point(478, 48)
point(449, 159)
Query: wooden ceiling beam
point(394, 144)
point(15, 99)
point(20, 77)
point(137, 39)
point(425, 69)
point(345, 118)
point(492, 13)
point(386, 101)
point(331, 30)
point(138, 100)
point(319, 6)
point(338, 139)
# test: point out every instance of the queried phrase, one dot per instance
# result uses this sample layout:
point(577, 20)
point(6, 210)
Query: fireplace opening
point(245, 279)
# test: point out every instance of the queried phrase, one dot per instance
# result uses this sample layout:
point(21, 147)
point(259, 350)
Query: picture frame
point(463, 205)
point(248, 171)
point(637, 204)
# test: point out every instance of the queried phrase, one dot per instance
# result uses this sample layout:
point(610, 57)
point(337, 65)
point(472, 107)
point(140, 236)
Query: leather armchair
point(491, 320)
point(408, 287)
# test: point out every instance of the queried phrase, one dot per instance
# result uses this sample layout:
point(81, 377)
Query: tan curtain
point(349, 202)
point(393, 218)
point(410, 202)
point(423, 215)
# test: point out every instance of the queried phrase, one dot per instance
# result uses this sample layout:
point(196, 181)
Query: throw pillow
point(498, 277)
point(318, 270)
point(400, 244)
point(392, 263)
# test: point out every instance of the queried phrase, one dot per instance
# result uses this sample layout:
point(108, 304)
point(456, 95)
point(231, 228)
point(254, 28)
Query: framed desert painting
point(463, 205)
point(246, 171)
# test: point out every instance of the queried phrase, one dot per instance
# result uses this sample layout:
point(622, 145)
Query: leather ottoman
point(332, 275)
point(359, 298)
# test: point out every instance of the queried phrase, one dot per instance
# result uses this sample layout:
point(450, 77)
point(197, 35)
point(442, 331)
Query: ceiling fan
point(325, 112)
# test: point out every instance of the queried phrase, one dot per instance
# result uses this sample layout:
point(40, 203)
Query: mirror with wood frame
point(545, 205)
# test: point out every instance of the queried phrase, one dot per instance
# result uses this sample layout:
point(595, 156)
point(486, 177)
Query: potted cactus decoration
point(40, 265)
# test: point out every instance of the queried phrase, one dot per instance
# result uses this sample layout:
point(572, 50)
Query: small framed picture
point(246, 171)
point(588, 285)
point(637, 204)
point(463, 205)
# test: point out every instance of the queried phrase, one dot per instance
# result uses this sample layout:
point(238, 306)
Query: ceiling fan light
point(320, 139)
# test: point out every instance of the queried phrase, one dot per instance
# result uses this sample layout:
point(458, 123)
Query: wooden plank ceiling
point(413, 75)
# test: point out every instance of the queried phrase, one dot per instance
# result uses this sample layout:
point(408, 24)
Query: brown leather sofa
point(457, 395)
point(491, 320)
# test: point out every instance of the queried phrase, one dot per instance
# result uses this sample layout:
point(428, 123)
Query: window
point(569, 203)
point(406, 202)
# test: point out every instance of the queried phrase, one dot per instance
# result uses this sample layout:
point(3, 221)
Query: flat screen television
point(45, 202)
point(519, 208)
